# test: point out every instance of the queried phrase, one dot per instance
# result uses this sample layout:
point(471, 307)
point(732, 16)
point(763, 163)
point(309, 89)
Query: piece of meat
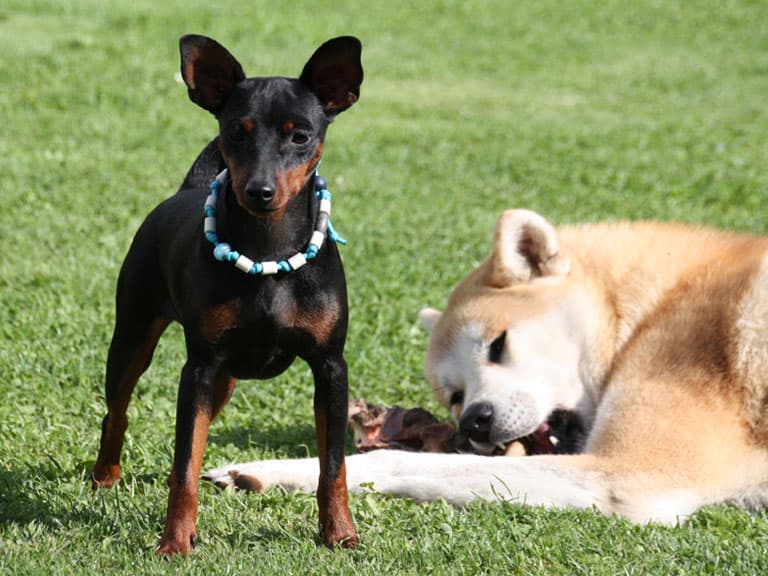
point(401, 428)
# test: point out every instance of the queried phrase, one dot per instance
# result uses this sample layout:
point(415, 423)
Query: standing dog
point(242, 318)
point(629, 360)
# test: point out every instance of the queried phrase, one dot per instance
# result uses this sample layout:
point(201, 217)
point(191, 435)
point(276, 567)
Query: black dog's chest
point(258, 333)
point(253, 336)
point(254, 353)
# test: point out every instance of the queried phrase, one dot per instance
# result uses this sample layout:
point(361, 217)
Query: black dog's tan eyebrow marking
point(287, 127)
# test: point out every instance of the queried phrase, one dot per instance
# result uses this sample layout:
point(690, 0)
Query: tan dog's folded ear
point(428, 318)
point(524, 247)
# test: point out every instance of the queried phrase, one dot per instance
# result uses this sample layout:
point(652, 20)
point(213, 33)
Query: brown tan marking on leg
point(224, 386)
point(180, 534)
point(336, 525)
point(106, 471)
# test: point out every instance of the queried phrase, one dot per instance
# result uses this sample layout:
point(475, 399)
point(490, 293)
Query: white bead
point(244, 263)
point(269, 268)
point(210, 202)
point(297, 261)
point(317, 239)
point(210, 224)
point(325, 206)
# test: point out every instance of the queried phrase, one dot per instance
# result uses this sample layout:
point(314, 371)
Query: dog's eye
point(300, 137)
point(457, 398)
point(496, 349)
point(239, 130)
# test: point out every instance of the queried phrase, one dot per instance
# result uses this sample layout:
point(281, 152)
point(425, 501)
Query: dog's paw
point(104, 476)
point(248, 482)
point(232, 477)
point(222, 477)
point(291, 475)
point(178, 541)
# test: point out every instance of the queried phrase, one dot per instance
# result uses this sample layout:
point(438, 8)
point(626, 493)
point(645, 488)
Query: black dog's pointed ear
point(209, 71)
point(334, 73)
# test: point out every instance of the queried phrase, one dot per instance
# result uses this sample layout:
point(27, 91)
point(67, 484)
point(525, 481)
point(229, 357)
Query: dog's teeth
point(554, 440)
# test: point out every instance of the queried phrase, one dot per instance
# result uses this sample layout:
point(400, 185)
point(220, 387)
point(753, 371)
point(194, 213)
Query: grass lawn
point(581, 110)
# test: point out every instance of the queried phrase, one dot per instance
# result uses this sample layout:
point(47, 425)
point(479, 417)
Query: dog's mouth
point(262, 212)
point(416, 429)
point(562, 433)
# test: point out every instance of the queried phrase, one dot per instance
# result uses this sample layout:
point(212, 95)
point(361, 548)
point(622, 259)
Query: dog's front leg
point(203, 392)
point(331, 401)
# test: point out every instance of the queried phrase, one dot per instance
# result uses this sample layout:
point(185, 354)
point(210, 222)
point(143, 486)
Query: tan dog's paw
point(237, 477)
point(247, 482)
point(221, 477)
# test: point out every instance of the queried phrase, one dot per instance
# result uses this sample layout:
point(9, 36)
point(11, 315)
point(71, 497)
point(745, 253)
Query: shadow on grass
point(293, 441)
point(299, 441)
point(19, 504)
point(44, 495)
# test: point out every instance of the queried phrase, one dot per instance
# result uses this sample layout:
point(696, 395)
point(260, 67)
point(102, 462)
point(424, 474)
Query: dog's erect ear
point(428, 318)
point(524, 247)
point(334, 73)
point(209, 71)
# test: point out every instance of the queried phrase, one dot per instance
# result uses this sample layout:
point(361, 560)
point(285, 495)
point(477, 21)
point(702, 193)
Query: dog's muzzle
point(562, 432)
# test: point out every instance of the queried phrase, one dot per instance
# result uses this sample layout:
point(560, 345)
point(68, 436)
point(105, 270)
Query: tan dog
point(643, 348)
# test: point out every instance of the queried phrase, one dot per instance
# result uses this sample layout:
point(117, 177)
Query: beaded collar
point(224, 252)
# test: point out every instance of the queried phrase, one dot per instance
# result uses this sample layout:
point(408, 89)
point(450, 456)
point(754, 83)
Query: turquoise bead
point(221, 251)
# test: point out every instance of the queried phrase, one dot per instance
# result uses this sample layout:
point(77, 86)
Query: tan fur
point(656, 335)
point(677, 358)
point(217, 319)
point(319, 322)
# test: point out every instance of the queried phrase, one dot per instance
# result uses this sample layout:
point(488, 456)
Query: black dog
point(242, 318)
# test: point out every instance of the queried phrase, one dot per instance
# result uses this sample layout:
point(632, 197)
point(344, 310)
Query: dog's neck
point(268, 237)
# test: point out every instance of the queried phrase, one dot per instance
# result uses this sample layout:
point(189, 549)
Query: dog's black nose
point(262, 194)
point(477, 420)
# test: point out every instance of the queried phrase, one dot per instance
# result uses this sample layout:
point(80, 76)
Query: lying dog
point(643, 348)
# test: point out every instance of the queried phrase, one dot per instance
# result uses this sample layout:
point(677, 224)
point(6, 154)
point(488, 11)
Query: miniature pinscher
point(269, 289)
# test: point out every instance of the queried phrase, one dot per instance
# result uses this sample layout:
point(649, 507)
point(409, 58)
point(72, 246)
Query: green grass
point(580, 110)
